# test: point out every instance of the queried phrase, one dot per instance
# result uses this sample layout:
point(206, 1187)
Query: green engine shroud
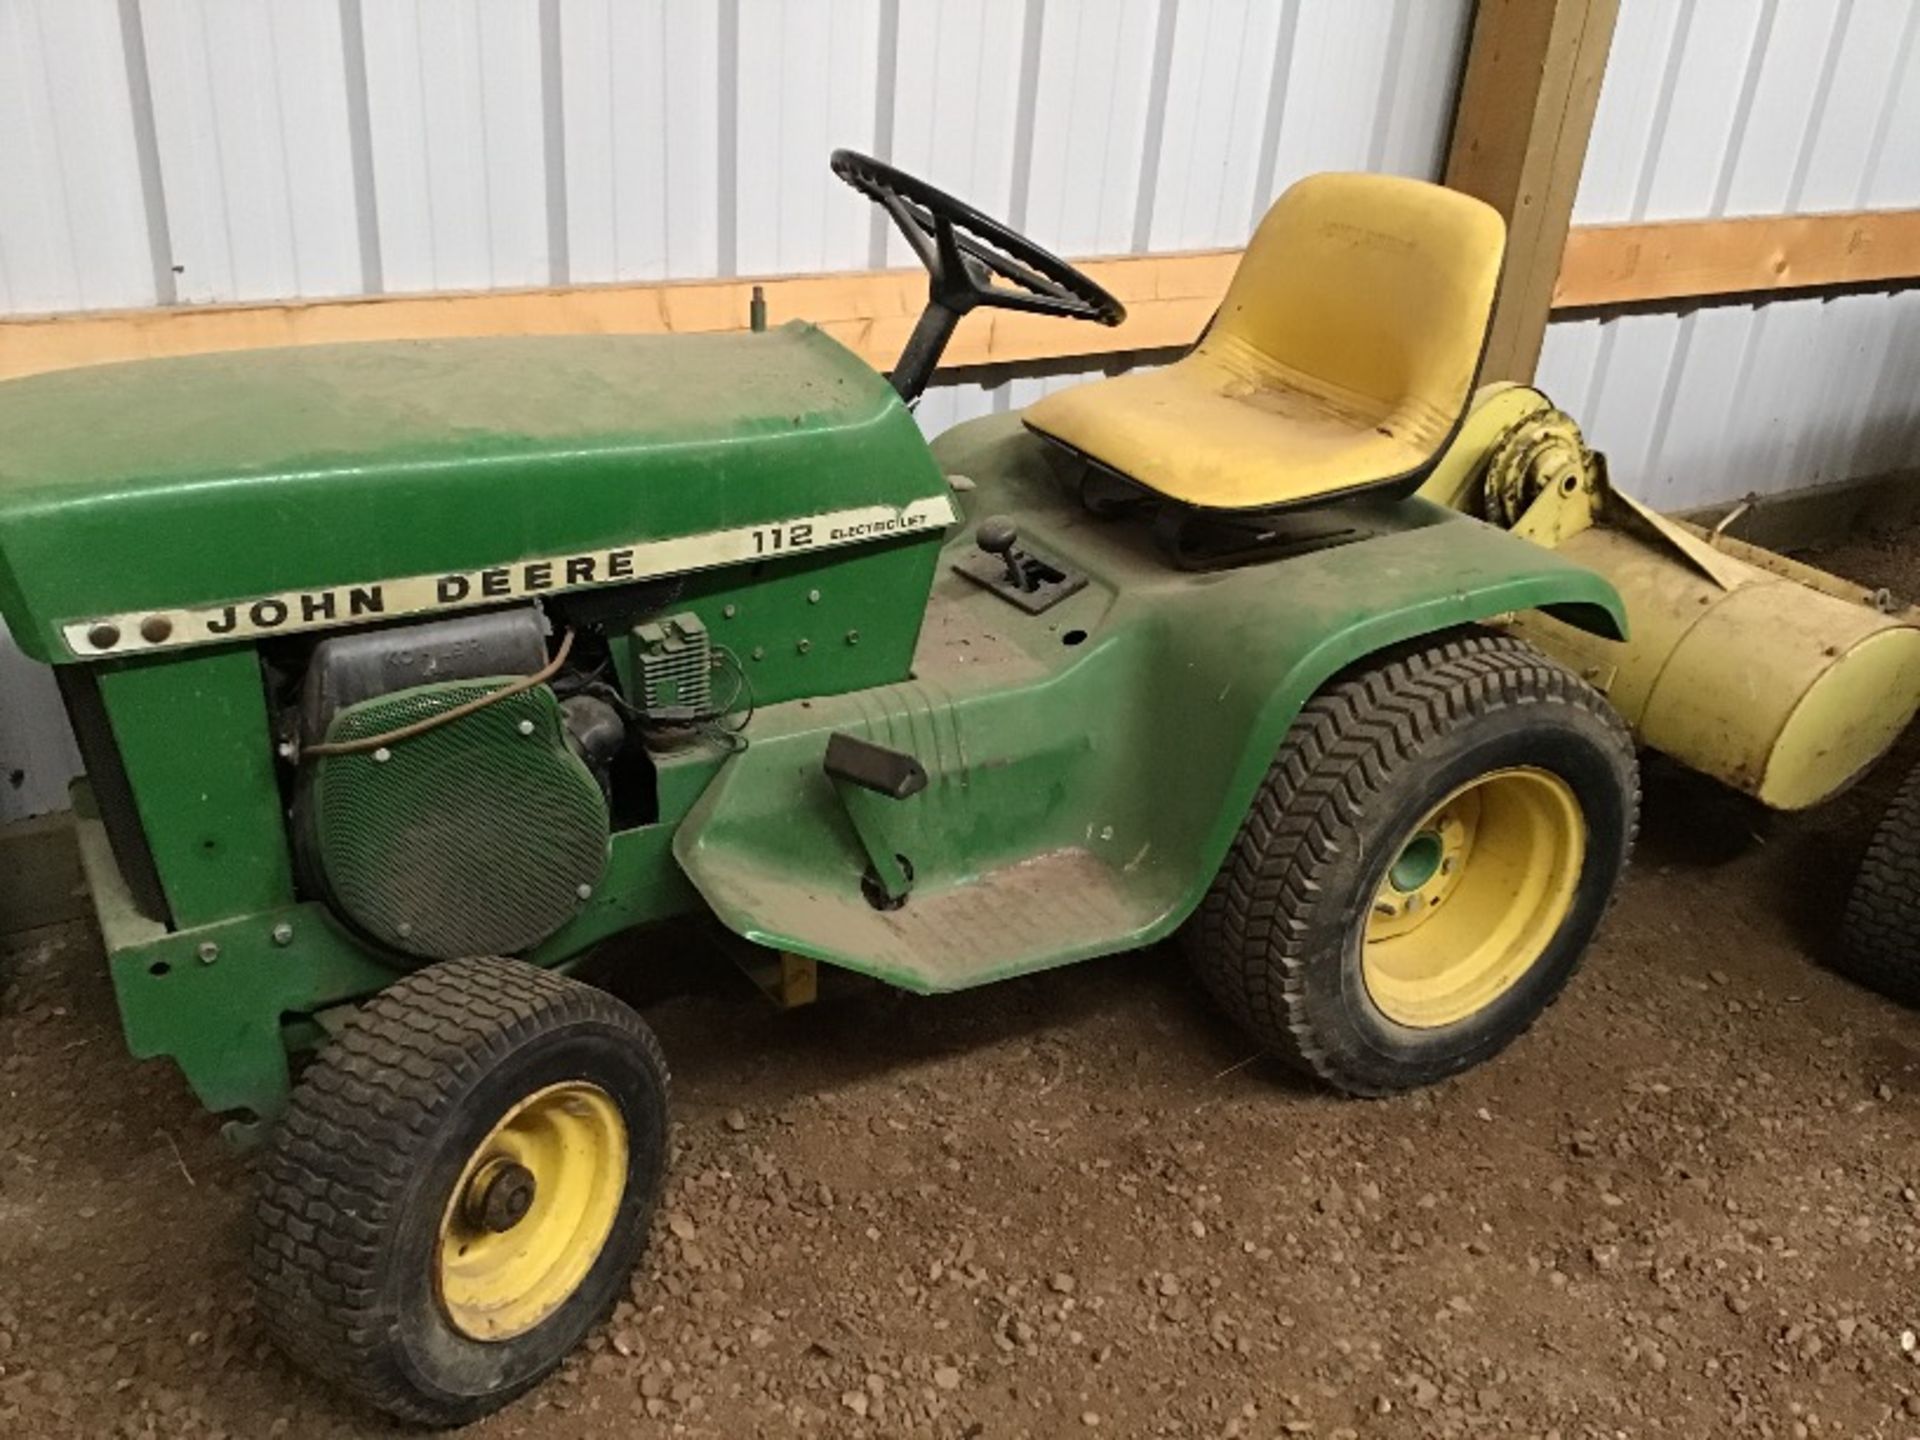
point(205, 480)
point(481, 837)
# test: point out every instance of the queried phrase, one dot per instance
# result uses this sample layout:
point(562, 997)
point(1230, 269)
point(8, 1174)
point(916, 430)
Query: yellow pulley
point(1541, 451)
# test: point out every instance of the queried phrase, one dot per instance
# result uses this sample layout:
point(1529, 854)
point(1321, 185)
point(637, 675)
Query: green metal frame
point(1115, 740)
point(1129, 725)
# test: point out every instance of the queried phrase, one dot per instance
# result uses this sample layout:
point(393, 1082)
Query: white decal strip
point(295, 610)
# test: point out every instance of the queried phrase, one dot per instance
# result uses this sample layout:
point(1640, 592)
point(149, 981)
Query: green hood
point(327, 478)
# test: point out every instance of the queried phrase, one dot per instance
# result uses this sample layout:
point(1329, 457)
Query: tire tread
point(338, 1163)
point(1246, 941)
point(1880, 927)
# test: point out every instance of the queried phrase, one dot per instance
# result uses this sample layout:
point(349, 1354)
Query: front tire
point(461, 1187)
point(1424, 865)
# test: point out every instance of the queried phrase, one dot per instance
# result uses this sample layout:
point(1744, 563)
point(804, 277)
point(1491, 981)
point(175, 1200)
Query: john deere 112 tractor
point(406, 673)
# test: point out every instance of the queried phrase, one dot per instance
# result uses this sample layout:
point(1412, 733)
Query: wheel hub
point(499, 1196)
point(1418, 863)
point(1473, 897)
point(1424, 873)
point(531, 1211)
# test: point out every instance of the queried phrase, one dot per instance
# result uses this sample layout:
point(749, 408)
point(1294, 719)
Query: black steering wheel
point(965, 252)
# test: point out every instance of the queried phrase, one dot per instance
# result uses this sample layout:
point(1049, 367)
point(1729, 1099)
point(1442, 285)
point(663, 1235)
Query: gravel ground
point(1687, 1204)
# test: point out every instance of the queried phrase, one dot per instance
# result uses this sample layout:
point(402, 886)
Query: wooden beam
point(1168, 298)
point(1520, 133)
point(1697, 259)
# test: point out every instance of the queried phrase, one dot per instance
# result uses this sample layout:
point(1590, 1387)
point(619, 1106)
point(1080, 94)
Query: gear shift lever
point(996, 536)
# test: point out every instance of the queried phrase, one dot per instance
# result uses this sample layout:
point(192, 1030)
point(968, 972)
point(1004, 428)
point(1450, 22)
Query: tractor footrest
point(1060, 906)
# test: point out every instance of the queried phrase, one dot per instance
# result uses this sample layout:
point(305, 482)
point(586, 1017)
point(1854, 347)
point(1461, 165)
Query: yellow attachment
point(1495, 410)
point(1341, 358)
point(1519, 463)
point(1769, 675)
point(1543, 455)
point(1473, 897)
point(1774, 687)
point(567, 1144)
point(787, 979)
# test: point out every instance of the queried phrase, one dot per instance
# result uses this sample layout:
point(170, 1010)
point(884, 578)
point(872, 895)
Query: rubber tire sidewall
point(459, 1376)
point(1360, 1042)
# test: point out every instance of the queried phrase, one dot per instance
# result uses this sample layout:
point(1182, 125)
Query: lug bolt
point(208, 952)
point(727, 612)
point(804, 646)
point(283, 934)
point(813, 597)
point(853, 637)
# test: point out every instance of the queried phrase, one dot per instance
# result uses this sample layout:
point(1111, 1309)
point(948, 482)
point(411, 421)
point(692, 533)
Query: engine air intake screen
point(482, 837)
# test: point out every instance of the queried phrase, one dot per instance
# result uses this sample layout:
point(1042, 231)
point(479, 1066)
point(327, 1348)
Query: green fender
point(1089, 767)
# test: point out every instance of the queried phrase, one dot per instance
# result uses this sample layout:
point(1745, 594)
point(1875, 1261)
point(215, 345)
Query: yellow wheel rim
point(1473, 896)
point(532, 1211)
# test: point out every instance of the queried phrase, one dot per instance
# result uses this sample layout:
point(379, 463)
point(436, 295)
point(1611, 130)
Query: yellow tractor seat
point(1341, 360)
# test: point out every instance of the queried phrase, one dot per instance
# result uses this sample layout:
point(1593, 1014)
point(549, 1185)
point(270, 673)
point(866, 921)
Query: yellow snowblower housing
point(1342, 359)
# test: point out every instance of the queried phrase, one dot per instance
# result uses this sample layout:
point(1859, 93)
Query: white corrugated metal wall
point(191, 151)
point(1751, 107)
point(163, 151)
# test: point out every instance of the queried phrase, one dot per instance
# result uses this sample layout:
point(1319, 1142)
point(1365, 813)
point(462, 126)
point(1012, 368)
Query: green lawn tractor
point(407, 673)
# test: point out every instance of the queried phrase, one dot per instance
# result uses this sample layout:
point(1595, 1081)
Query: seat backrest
point(1374, 285)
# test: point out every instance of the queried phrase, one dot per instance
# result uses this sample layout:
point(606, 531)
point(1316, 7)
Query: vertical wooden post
point(1519, 140)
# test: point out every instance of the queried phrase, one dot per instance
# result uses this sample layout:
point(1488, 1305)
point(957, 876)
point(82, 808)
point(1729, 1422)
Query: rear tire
point(460, 1187)
point(1424, 864)
point(1880, 931)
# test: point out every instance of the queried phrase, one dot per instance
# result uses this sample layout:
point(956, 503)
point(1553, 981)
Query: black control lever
point(1022, 578)
point(996, 536)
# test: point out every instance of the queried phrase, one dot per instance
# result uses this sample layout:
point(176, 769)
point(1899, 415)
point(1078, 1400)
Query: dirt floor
point(1687, 1204)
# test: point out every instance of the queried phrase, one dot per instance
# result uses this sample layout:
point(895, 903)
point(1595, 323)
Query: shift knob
point(996, 535)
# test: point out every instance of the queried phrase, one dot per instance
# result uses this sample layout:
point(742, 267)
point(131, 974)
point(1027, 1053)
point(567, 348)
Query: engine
point(441, 808)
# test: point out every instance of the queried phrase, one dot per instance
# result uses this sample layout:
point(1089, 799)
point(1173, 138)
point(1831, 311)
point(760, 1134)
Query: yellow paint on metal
point(1782, 691)
point(1684, 541)
point(1541, 480)
point(1847, 719)
point(1496, 409)
point(1446, 939)
point(1776, 678)
point(1798, 571)
point(572, 1140)
point(787, 979)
